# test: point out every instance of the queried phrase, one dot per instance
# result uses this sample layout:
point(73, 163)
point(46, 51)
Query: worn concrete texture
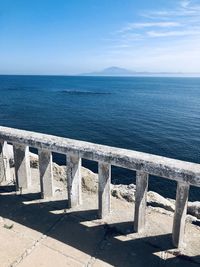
point(181, 171)
point(38, 232)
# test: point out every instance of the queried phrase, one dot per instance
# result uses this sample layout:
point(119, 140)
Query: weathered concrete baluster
point(22, 166)
point(104, 170)
point(6, 158)
point(5, 174)
point(2, 168)
point(73, 162)
point(140, 200)
point(46, 173)
point(180, 214)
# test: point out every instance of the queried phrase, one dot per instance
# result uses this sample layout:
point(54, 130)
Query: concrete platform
point(35, 232)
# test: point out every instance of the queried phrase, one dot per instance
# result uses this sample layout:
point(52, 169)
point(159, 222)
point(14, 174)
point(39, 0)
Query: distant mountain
point(111, 71)
point(116, 71)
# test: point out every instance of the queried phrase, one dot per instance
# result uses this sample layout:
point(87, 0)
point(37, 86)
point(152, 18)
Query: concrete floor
point(38, 233)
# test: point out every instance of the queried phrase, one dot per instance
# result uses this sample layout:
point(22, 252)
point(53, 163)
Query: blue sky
point(69, 37)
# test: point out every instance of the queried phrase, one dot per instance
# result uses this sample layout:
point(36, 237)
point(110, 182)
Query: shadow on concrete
point(106, 242)
point(7, 188)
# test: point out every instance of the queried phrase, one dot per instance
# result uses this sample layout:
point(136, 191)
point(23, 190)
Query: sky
point(79, 36)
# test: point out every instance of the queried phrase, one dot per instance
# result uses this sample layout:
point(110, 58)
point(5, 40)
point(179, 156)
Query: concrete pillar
point(180, 214)
point(5, 174)
point(73, 162)
point(140, 200)
point(22, 166)
point(6, 157)
point(2, 169)
point(104, 189)
point(46, 173)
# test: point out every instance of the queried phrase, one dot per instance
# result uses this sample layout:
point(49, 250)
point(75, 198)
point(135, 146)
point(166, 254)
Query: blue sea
point(153, 115)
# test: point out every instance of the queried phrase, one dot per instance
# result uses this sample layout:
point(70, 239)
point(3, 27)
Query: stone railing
point(184, 173)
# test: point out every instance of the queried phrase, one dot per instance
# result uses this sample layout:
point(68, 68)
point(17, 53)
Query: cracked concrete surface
point(35, 232)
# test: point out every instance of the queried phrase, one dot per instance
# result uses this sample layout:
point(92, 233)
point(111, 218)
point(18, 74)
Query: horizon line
point(137, 74)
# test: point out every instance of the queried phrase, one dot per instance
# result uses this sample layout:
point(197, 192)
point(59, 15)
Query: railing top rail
point(181, 171)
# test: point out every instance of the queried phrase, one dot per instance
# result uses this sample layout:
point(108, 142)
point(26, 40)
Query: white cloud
point(159, 24)
point(185, 3)
point(182, 21)
point(173, 33)
point(186, 9)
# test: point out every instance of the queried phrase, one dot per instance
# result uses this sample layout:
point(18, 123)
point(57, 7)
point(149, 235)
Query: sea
point(158, 115)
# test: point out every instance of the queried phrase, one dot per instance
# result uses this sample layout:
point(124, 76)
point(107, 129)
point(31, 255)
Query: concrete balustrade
point(185, 173)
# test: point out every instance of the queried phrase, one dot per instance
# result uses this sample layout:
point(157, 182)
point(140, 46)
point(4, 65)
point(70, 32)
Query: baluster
point(5, 174)
point(6, 157)
point(104, 170)
point(46, 173)
point(180, 214)
point(22, 166)
point(2, 169)
point(73, 162)
point(140, 200)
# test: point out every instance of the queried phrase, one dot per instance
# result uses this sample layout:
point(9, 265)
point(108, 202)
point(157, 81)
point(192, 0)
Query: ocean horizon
point(157, 115)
